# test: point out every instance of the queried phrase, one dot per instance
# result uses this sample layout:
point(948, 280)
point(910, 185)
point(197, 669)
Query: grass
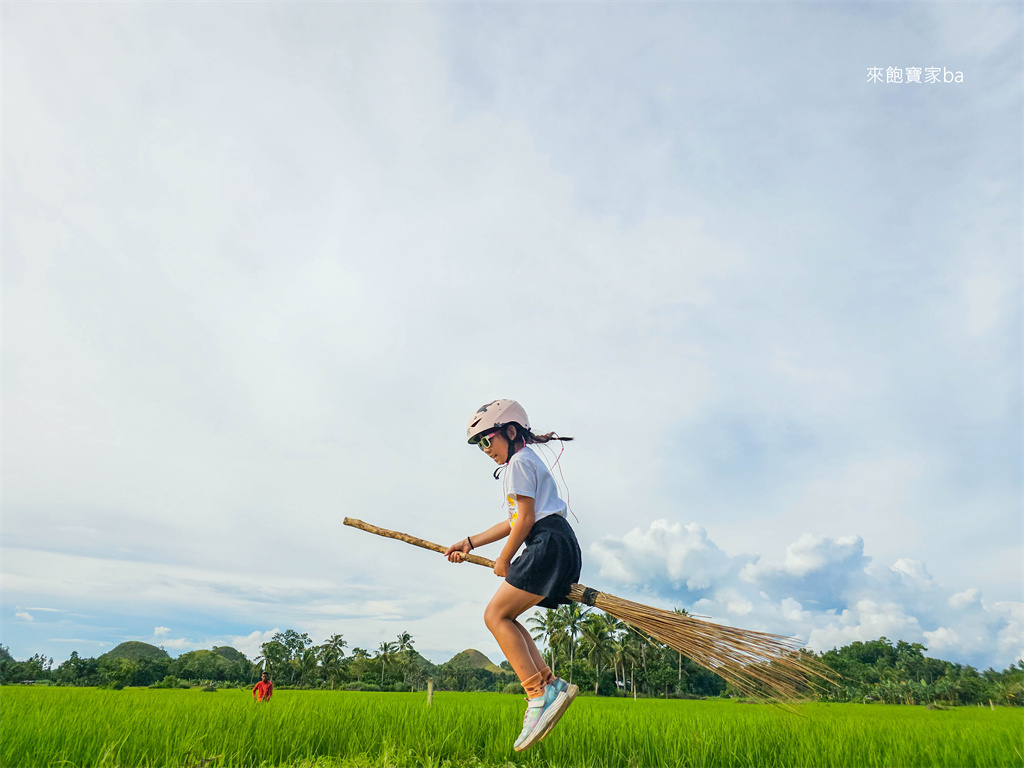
point(140, 727)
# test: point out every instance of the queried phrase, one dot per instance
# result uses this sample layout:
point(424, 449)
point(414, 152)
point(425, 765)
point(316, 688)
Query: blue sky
point(261, 261)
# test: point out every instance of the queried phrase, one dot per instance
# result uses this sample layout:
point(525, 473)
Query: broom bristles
point(759, 664)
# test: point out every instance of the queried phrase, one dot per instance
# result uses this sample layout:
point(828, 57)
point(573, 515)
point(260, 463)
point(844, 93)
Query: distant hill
point(424, 665)
point(474, 659)
point(230, 654)
point(201, 664)
point(136, 651)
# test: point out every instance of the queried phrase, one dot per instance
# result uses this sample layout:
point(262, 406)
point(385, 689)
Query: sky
point(261, 261)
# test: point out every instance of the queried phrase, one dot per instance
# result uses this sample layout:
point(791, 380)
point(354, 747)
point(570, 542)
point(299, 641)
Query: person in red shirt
point(264, 689)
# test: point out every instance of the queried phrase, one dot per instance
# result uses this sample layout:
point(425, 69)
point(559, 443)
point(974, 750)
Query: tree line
point(900, 673)
point(597, 652)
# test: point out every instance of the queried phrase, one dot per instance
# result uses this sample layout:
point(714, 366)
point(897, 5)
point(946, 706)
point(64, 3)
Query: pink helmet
point(496, 413)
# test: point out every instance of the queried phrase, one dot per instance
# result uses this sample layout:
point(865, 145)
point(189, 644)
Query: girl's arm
point(459, 548)
point(524, 522)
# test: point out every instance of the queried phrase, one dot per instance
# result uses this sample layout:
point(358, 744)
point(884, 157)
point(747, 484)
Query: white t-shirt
point(527, 475)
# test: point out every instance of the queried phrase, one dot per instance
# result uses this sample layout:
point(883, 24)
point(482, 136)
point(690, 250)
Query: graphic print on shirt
point(513, 510)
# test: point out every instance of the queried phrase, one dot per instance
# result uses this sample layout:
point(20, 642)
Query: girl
point(543, 574)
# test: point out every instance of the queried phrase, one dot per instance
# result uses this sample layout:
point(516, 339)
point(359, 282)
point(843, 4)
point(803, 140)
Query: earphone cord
point(558, 458)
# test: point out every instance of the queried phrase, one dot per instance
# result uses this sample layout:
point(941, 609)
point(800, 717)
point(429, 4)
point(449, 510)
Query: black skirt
point(550, 564)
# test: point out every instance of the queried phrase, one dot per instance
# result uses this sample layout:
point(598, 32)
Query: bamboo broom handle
point(476, 559)
point(577, 592)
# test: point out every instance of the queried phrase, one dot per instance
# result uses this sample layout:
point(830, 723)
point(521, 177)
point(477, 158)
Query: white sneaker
point(535, 709)
point(569, 693)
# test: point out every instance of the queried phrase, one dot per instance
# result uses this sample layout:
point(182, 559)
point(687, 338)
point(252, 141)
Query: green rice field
point(141, 727)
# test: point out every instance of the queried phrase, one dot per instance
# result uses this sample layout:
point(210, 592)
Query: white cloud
point(251, 644)
point(234, 594)
point(180, 643)
point(866, 620)
point(966, 598)
point(942, 639)
point(23, 615)
point(681, 555)
point(1011, 633)
point(247, 644)
point(825, 591)
point(791, 609)
point(80, 641)
point(913, 573)
point(733, 602)
point(809, 554)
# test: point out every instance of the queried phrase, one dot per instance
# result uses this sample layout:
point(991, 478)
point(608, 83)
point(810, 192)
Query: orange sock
point(534, 686)
point(549, 678)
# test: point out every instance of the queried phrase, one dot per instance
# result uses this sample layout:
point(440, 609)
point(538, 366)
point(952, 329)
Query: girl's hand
point(501, 567)
point(457, 550)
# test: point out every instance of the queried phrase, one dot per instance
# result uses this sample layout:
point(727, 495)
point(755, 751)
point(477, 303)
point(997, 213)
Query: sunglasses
point(485, 441)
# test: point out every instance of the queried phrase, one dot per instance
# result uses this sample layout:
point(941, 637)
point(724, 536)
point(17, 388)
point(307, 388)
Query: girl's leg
point(538, 660)
point(513, 639)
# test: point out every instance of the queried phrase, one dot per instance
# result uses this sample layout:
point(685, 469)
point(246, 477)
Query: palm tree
point(305, 664)
point(384, 653)
point(624, 653)
point(547, 625)
point(259, 661)
point(597, 631)
point(337, 643)
point(403, 645)
point(330, 654)
point(273, 654)
point(646, 641)
point(329, 662)
point(570, 620)
point(629, 650)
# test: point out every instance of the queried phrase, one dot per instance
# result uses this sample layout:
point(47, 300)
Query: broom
point(759, 664)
